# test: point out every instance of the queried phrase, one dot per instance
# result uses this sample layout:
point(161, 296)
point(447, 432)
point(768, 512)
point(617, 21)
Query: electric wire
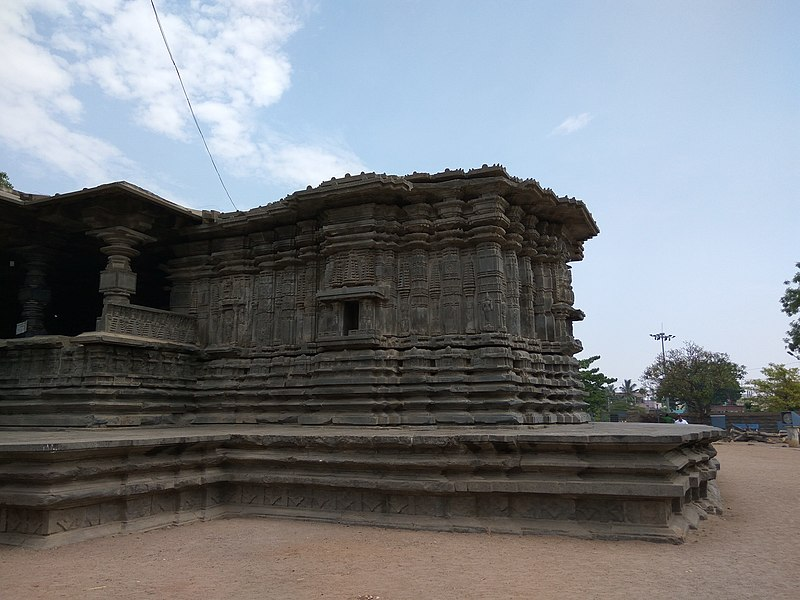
point(189, 102)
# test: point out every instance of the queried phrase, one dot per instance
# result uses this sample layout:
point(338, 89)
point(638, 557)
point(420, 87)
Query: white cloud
point(309, 165)
point(232, 64)
point(37, 110)
point(572, 124)
point(64, 149)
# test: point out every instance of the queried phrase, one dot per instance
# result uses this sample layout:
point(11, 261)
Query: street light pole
point(663, 337)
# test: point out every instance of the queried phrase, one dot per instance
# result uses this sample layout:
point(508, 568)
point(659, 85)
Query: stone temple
point(385, 350)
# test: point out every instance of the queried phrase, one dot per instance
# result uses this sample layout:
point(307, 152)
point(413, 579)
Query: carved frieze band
point(148, 322)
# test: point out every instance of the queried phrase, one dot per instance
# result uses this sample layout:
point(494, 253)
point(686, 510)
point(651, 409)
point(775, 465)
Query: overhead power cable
point(189, 102)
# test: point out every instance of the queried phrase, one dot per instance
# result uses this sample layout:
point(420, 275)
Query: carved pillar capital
point(117, 280)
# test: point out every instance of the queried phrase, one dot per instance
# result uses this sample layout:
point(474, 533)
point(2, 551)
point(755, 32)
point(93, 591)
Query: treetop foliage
point(790, 304)
point(5, 183)
point(779, 390)
point(629, 390)
point(695, 378)
point(595, 385)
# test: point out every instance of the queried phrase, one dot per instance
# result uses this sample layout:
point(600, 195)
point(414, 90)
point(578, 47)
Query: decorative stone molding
point(590, 481)
point(142, 321)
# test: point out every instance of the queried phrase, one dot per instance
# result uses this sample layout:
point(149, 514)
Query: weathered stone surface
point(591, 480)
point(382, 350)
point(371, 299)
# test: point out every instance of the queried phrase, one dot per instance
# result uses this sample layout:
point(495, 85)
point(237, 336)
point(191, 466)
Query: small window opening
point(350, 317)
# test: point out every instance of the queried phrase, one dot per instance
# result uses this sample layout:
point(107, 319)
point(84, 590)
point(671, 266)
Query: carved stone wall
point(96, 379)
point(425, 299)
point(142, 321)
point(368, 300)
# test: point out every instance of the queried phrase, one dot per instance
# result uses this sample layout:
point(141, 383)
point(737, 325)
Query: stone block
point(601, 510)
point(462, 506)
point(373, 502)
point(139, 506)
point(493, 506)
point(653, 512)
point(400, 505)
point(541, 507)
point(429, 506)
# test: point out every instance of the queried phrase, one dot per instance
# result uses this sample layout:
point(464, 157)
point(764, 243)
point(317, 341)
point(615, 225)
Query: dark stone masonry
point(383, 350)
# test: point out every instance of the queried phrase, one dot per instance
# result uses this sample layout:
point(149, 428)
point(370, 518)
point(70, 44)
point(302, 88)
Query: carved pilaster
point(490, 287)
point(543, 307)
point(451, 291)
point(286, 326)
point(553, 288)
point(419, 292)
point(527, 297)
point(470, 322)
point(513, 292)
point(385, 273)
point(404, 295)
point(435, 294)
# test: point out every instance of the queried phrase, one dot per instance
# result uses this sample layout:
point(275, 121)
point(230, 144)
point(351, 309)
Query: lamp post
point(663, 337)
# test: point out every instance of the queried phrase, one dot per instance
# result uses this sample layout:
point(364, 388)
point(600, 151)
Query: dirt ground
point(751, 552)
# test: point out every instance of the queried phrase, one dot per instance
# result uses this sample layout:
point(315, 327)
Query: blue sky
point(678, 123)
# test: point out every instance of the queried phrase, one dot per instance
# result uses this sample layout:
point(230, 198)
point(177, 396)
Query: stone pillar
point(34, 296)
point(117, 280)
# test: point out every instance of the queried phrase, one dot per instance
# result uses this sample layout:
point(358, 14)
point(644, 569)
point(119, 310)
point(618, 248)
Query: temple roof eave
point(68, 211)
point(416, 187)
point(116, 188)
point(75, 213)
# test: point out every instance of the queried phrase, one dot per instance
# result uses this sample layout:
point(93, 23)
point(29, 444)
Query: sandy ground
point(751, 552)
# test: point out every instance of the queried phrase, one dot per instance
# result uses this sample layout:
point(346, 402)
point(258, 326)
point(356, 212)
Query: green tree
point(695, 378)
point(595, 385)
point(4, 181)
point(779, 390)
point(628, 391)
point(790, 304)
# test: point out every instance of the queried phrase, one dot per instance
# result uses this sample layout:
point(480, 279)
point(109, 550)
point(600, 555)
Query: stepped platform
point(592, 480)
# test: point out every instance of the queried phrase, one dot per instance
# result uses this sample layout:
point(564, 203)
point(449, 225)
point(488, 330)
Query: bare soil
point(752, 551)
